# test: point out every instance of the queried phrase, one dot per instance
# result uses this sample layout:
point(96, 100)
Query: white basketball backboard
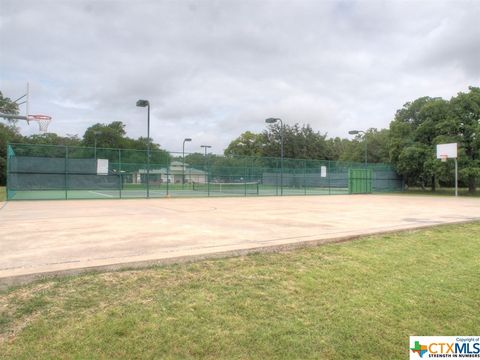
point(448, 150)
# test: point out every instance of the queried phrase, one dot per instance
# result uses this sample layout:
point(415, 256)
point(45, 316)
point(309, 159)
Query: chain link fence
point(69, 172)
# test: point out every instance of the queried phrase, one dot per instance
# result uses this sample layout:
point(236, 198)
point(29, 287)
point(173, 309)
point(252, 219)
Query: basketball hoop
point(449, 151)
point(43, 121)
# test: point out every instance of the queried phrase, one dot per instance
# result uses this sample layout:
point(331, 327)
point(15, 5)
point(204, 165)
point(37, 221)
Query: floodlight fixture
point(271, 120)
point(142, 103)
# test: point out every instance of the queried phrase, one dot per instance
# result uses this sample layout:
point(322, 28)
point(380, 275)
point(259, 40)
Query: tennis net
point(241, 188)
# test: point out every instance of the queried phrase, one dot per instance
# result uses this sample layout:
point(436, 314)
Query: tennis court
point(41, 172)
point(212, 190)
point(60, 237)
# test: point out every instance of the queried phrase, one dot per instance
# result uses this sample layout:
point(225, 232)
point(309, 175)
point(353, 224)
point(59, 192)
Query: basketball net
point(444, 158)
point(42, 120)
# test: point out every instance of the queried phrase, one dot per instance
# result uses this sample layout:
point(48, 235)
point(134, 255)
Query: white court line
point(97, 193)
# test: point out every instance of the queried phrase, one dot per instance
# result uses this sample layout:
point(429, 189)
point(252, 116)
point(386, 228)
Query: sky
point(214, 69)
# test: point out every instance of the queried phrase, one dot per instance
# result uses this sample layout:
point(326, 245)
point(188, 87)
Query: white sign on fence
point(323, 171)
point(102, 166)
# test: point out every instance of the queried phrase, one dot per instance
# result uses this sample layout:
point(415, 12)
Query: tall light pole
point(183, 160)
point(272, 121)
point(95, 133)
point(206, 147)
point(146, 103)
point(356, 132)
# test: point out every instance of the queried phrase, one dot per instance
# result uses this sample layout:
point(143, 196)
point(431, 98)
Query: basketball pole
point(456, 177)
point(27, 102)
point(450, 150)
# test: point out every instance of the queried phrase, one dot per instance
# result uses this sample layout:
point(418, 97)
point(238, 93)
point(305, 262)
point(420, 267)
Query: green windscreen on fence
point(10, 155)
point(360, 181)
point(69, 172)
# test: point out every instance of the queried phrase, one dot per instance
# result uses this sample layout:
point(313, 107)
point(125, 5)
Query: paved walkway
point(60, 237)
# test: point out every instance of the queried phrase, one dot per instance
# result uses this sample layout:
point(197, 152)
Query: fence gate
point(360, 181)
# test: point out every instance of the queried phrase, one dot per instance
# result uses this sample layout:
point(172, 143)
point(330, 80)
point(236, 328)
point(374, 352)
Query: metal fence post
point(120, 171)
point(276, 180)
point(66, 171)
point(208, 174)
point(245, 175)
point(329, 173)
point(208, 183)
point(305, 176)
point(168, 179)
point(8, 170)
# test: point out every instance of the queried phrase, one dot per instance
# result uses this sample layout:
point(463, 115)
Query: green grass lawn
point(441, 191)
point(354, 300)
point(2, 193)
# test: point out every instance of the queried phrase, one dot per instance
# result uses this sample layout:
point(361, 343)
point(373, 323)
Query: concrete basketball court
point(39, 238)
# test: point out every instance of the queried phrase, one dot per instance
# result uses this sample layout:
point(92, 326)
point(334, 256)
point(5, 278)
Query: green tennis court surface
point(164, 192)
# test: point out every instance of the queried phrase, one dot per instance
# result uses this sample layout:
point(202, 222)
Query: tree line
point(111, 136)
point(409, 143)
point(302, 142)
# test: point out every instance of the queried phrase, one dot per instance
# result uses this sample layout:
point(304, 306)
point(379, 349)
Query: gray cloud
point(213, 69)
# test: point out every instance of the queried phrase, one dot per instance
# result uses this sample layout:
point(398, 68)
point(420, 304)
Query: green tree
point(53, 139)
point(417, 128)
point(336, 147)
point(411, 164)
point(464, 127)
point(377, 142)
point(107, 136)
point(300, 142)
point(113, 136)
point(247, 144)
point(7, 106)
point(8, 134)
point(196, 160)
